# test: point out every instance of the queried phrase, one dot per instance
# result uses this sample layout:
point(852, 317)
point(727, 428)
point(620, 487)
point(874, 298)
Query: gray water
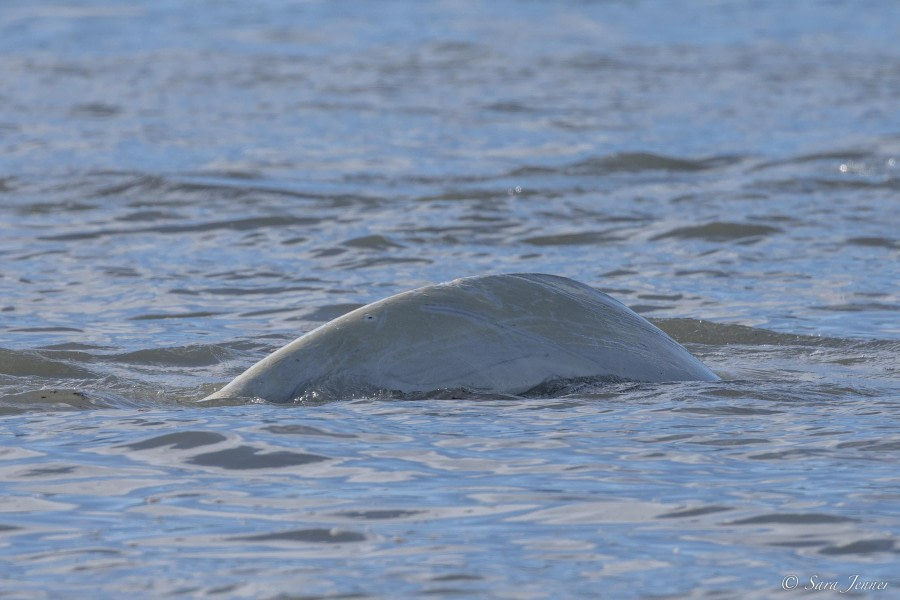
point(184, 187)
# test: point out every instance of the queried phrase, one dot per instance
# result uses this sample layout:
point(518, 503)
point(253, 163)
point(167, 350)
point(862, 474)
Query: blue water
point(186, 187)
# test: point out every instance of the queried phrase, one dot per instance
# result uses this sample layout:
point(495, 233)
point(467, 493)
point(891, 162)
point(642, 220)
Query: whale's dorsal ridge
point(494, 333)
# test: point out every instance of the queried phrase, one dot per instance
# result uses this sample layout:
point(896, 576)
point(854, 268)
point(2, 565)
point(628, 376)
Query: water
point(186, 187)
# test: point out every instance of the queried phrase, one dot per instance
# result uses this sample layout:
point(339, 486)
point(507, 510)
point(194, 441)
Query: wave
point(630, 162)
point(719, 231)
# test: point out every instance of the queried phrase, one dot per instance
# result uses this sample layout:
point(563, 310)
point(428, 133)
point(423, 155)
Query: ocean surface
point(187, 186)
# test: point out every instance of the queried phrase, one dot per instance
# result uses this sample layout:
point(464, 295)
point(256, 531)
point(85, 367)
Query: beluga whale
point(505, 334)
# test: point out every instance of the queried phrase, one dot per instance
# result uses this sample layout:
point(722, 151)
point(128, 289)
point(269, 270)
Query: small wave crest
point(630, 162)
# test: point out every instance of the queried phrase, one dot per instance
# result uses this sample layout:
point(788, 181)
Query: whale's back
point(497, 333)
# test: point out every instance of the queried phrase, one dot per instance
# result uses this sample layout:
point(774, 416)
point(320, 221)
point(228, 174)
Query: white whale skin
point(493, 333)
